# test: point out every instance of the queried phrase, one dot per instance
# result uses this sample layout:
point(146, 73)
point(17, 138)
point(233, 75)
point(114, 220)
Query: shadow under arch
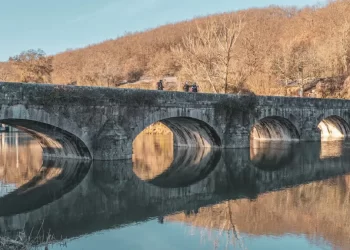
point(56, 178)
point(189, 132)
point(274, 128)
point(54, 141)
point(334, 127)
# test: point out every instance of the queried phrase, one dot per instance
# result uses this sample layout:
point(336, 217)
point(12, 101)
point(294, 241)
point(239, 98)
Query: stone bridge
point(101, 123)
point(85, 198)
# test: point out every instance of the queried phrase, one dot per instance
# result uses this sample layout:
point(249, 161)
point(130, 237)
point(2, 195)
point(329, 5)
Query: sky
point(173, 236)
point(55, 26)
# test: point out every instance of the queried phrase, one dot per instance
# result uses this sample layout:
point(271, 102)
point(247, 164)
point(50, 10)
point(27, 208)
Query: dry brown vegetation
point(22, 241)
point(257, 49)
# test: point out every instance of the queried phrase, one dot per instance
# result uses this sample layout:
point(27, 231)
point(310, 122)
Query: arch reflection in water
point(271, 155)
point(35, 181)
point(189, 166)
point(54, 180)
point(276, 155)
point(158, 162)
point(112, 196)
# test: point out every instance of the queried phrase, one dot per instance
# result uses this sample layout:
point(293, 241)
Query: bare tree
point(227, 38)
point(5, 72)
point(220, 52)
point(341, 45)
point(207, 54)
point(33, 66)
point(295, 60)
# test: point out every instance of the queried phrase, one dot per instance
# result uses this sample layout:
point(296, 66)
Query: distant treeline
point(261, 49)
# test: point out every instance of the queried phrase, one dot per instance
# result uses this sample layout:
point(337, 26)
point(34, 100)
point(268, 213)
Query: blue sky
point(55, 26)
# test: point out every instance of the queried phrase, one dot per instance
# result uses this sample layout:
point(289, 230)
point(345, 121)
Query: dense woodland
point(260, 49)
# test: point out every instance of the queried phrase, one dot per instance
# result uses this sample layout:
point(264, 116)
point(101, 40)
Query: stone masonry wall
point(106, 121)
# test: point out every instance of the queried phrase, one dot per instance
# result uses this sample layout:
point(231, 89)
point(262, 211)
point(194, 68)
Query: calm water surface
point(271, 196)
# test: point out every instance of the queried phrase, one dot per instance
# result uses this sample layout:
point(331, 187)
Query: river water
point(271, 196)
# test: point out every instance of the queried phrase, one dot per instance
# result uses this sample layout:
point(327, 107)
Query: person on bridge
point(160, 85)
point(186, 87)
point(194, 88)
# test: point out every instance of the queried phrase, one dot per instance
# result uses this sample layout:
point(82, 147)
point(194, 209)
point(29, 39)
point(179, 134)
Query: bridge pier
point(310, 134)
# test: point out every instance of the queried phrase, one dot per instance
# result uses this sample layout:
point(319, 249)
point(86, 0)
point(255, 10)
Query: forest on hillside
point(260, 49)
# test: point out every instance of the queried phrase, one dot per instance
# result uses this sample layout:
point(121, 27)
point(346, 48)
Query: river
point(272, 196)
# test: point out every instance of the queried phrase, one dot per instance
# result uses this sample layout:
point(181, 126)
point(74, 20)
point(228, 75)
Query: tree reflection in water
point(20, 160)
point(319, 210)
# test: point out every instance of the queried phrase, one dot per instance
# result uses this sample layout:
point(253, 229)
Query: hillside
point(261, 49)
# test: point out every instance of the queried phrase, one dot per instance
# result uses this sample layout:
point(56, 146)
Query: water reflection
point(272, 155)
point(188, 167)
point(332, 148)
point(156, 160)
point(318, 210)
point(272, 189)
point(20, 158)
point(33, 181)
point(55, 179)
point(152, 154)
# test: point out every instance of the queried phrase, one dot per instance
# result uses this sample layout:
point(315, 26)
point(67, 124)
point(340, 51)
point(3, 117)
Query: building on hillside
point(170, 79)
point(314, 87)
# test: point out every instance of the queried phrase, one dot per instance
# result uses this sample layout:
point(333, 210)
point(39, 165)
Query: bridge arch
point(57, 135)
point(190, 132)
point(274, 128)
point(54, 141)
point(334, 127)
